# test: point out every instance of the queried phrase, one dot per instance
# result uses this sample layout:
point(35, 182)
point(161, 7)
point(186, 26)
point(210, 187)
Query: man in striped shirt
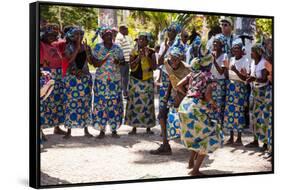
point(126, 44)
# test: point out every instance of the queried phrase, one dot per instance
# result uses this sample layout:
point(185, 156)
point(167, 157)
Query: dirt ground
point(81, 159)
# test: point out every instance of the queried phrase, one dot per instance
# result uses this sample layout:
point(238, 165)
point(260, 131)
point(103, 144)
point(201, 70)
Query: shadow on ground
point(48, 180)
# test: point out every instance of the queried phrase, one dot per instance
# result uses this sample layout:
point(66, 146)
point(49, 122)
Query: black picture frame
point(34, 95)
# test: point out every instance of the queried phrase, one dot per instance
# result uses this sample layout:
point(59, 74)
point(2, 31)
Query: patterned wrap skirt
point(163, 90)
point(78, 101)
point(140, 110)
point(260, 114)
point(108, 105)
point(235, 102)
point(197, 131)
point(269, 119)
point(173, 124)
point(51, 109)
point(218, 95)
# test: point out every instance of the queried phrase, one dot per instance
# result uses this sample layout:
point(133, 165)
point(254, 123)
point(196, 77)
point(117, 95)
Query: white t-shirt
point(220, 61)
point(256, 71)
point(239, 64)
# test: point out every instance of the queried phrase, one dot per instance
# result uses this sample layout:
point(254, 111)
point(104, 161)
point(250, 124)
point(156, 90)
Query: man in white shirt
point(126, 44)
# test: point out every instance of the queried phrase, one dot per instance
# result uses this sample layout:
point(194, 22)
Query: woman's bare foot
point(86, 133)
point(195, 173)
point(67, 136)
point(59, 131)
point(190, 164)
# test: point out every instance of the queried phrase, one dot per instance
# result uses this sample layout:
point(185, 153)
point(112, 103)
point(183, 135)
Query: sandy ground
point(81, 159)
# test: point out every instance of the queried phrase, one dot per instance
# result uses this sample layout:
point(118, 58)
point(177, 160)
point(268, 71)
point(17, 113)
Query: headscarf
point(49, 29)
point(258, 48)
point(220, 38)
point(175, 26)
point(146, 34)
point(71, 32)
point(238, 42)
point(103, 30)
point(176, 51)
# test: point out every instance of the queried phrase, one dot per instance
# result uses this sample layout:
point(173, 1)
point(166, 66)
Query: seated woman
point(198, 134)
point(140, 111)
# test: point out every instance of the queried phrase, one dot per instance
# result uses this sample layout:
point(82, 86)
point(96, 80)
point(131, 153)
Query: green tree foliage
point(66, 15)
point(263, 28)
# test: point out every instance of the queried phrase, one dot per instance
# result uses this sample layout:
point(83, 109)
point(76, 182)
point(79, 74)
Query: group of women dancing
point(202, 91)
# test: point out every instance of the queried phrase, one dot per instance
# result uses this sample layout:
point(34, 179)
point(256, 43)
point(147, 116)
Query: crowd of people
point(205, 89)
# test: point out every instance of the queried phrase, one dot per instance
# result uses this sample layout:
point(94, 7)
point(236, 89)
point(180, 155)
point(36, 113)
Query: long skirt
point(260, 114)
point(108, 105)
point(235, 101)
point(269, 119)
point(218, 95)
point(140, 111)
point(173, 124)
point(163, 90)
point(51, 109)
point(78, 101)
point(197, 131)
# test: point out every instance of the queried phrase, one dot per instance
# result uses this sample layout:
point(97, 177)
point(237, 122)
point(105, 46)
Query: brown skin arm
point(134, 61)
point(241, 76)
point(152, 61)
point(181, 85)
point(99, 63)
point(263, 79)
point(221, 70)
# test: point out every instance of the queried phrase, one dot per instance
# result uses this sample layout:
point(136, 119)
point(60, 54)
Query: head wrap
point(220, 38)
point(176, 51)
point(49, 29)
point(238, 42)
point(258, 48)
point(72, 31)
point(175, 26)
point(146, 34)
point(104, 29)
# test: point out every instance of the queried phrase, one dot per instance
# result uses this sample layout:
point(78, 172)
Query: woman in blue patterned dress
point(140, 111)
point(236, 93)
point(78, 84)
point(260, 83)
point(198, 133)
point(108, 106)
point(218, 70)
point(51, 109)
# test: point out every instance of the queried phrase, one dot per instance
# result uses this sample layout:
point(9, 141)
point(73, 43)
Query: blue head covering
point(220, 38)
point(258, 48)
point(238, 42)
point(176, 51)
point(175, 26)
point(49, 29)
point(146, 34)
point(71, 32)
